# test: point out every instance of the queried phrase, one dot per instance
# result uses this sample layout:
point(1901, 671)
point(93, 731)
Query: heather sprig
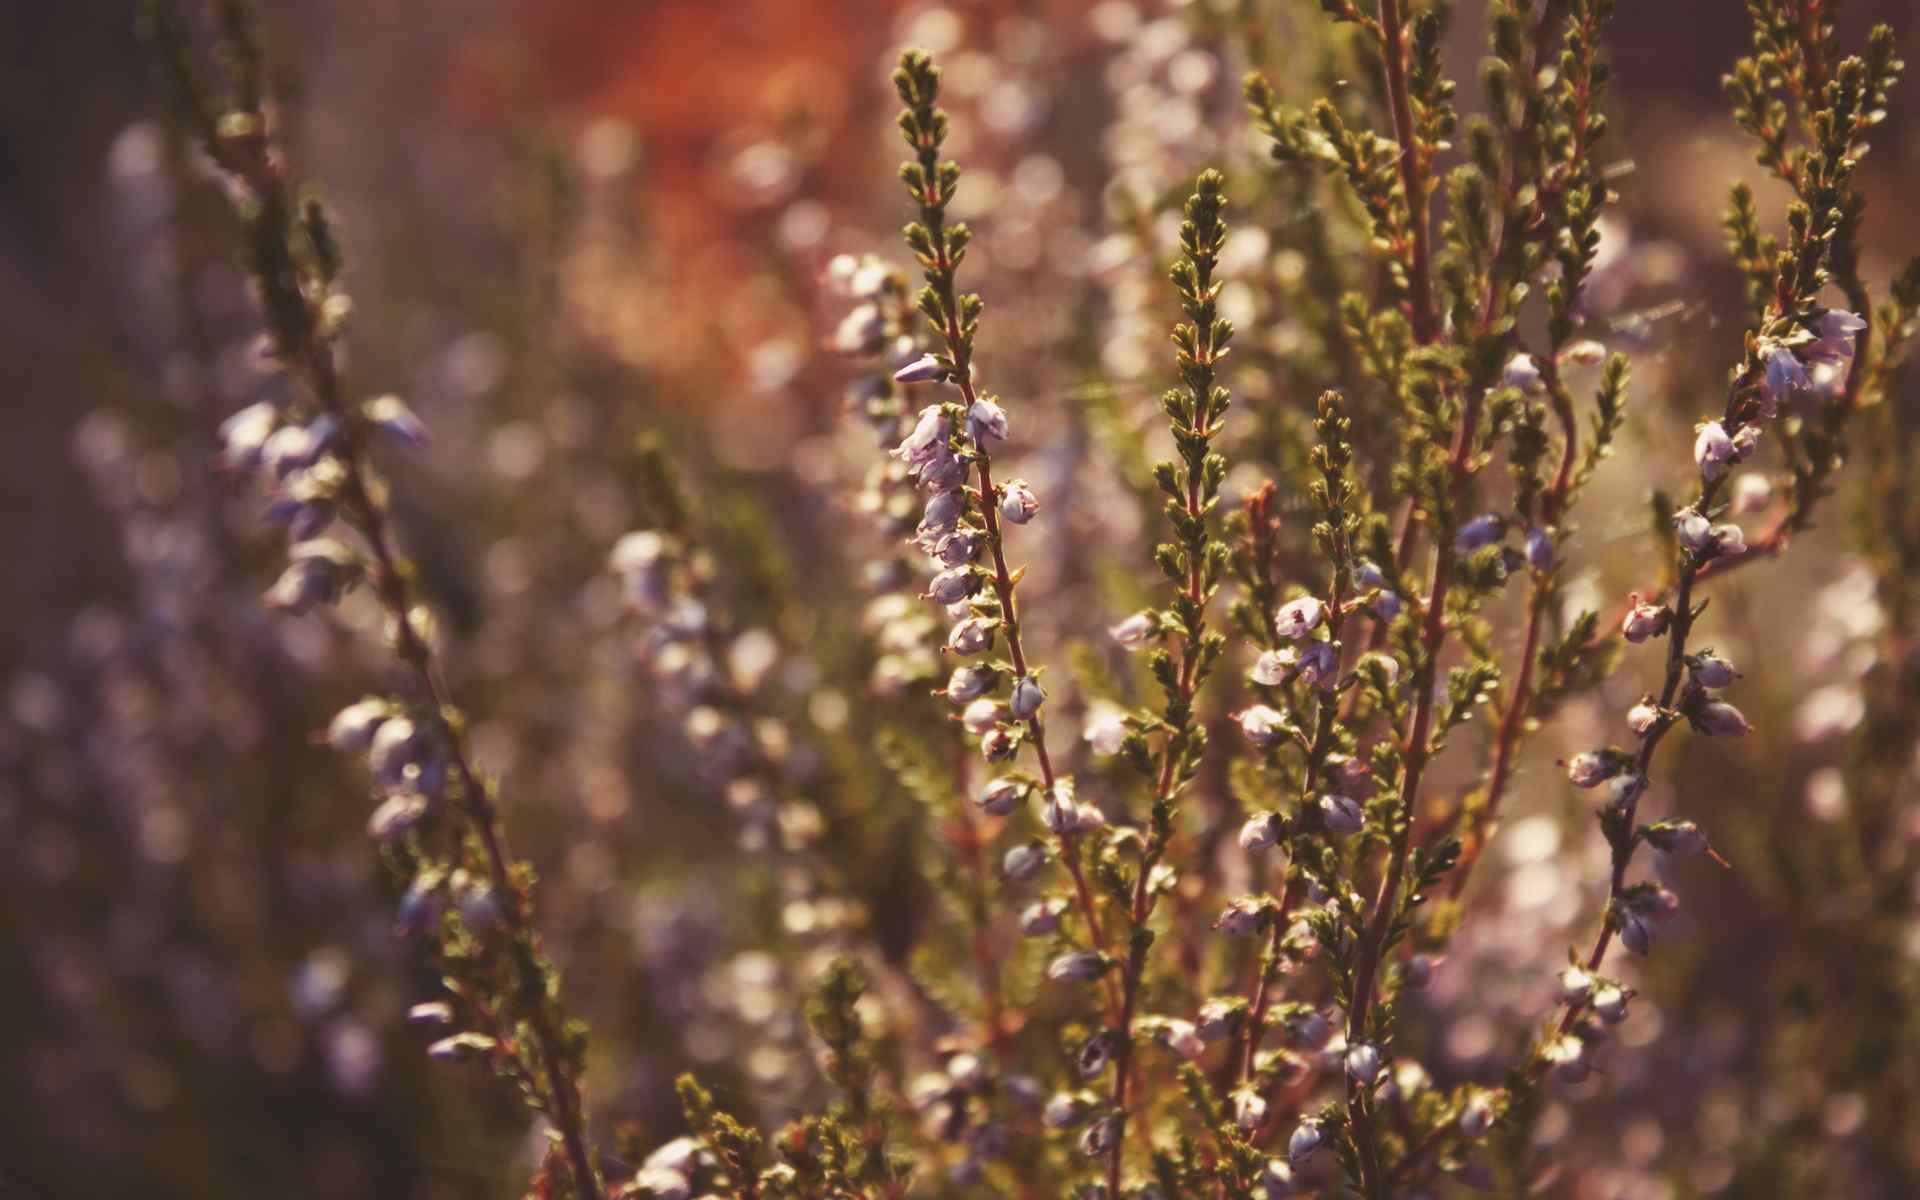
point(439, 823)
point(1791, 331)
point(1193, 563)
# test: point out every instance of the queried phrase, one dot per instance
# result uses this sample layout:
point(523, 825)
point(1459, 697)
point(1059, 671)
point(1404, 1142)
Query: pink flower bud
point(1136, 630)
point(1643, 717)
point(1583, 353)
point(1712, 671)
point(1720, 719)
point(971, 636)
point(1027, 697)
point(1319, 664)
point(1610, 1003)
point(1249, 1109)
point(1261, 832)
point(1018, 504)
point(1522, 372)
point(1297, 618)
point(1106, 729)
point(1308, 1137)
point(1476, 1115)
point(980, 716)
point(391, 416)
point(1263, 726)
point(986, 419)
point(1042, 917)
point(1024, 862)
point(1576, 985)
point(1002, 795)
point(952, 586)
point(1712, 450)
point(1221, 1018)
point(1693, 531)
point(1242, 917)
point(1078, 966)
point(1645, 621)
point(921, 370)
point(1590, 769)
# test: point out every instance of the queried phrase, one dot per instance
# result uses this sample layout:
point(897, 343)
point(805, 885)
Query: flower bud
point(1785, 373)
point(1027, 697)
point(461, 1047)
point(1297, 618)
point(1610, 1003)
point(1643, 717)
point(986, 419)
point(1745, 441)
point(1018, 504)
point(1476, 1115)
point(981, 716)
point(1065, 1110)
point(1179, 1036)
point(431, 1012)
point(393, 748)
point(952, 586)
point(924, 369)
point(391, 416)
point(1099, 1137)
point(971, 636)
point(1077, 966)
point(1624, 788)
point(1712, 450)
point(1583, 353)
point(1310, 1029)
point(1363, 1063)
point(1001, 796)
point(1136, 630)
point(960, 547)
point(1683, 838)
point(1479, 533)
point(1261, 832)
point(1720, 719)
point(970, 683)
point(1522, 372)
point(1645, 621)
point(352, 728)
point(1367, 574)
point(1591, 769)
point(1540, 549)
point(1042, 917)
point(1712, 671)
point(1242, 917)
point(657, 1183)
point(1276, 1179)
point(1693, 531)
point(1567, 1056)
point(1263, 726)
point(1058, 810)
point(1837, 328)
point(1319, 664)
point(1024, 862)
point(999, 745)
point(322, 569)
point(1249, 1109)
point(1386, 606)
point(1220, 1018)
point(243, 436)
point(1340, 815)
point(1418, 971)
point(1637, 932)
point(1575, 986)
point(1273, 667)
point(396, 817)
point(927, 439)
point(1308, 1137)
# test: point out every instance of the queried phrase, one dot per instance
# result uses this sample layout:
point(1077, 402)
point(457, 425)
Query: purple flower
point(391, 416)
point(1261, 832)
point(1642, 717)
point(1540, 550)
point(1340, 814)
point(970, 683)
point(928, 438)
point(1837, 329)
point(1590, 769)
point(1785, 372)
point(1711, 670)
point(1319, 665)
point(1522, 372)
point(971, 636)
point(1077, 966)
point(1479, 533)
point(1363, 1062)
point(1308, 1137)
point(952, 586)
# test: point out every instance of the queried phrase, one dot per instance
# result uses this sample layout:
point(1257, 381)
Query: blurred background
point(571, 222)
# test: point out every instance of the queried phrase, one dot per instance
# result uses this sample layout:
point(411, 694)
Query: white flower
point(1297, 618)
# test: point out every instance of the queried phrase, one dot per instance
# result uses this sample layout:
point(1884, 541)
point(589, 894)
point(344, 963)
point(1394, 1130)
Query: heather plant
point(1118, 781)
